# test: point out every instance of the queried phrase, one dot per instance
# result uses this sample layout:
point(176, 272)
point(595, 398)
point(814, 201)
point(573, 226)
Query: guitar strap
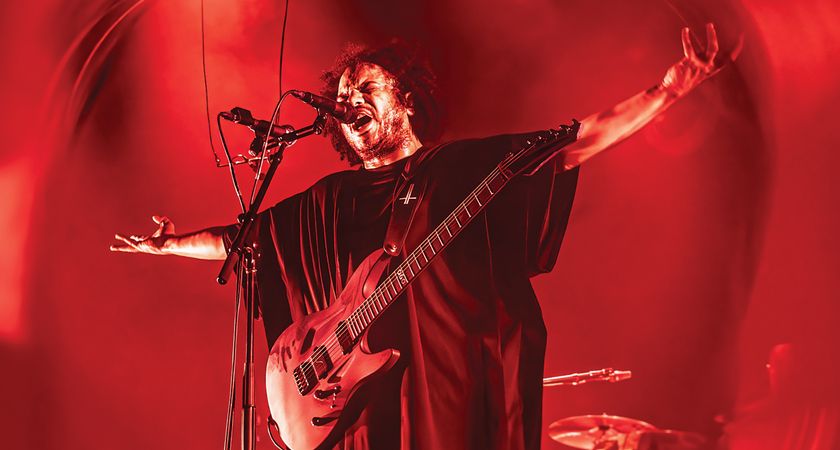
point(408, 193)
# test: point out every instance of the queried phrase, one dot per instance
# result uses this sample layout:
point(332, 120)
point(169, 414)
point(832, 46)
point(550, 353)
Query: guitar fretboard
point(395, 283)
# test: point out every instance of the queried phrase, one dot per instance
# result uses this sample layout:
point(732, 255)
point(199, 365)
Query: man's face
point(383, 124)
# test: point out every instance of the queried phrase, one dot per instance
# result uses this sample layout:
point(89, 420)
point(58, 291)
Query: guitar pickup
point(321, 361)
point(345, 339)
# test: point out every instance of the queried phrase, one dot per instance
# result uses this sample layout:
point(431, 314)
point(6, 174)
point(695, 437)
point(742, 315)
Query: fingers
point(711, 42)
point(688, 49)
point(165, 226)
point(127, 245)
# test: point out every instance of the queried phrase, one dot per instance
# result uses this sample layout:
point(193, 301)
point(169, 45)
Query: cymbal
point(587, 431)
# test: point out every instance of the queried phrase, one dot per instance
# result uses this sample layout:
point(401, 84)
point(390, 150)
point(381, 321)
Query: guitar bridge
point(310, 371)
point(305, 377)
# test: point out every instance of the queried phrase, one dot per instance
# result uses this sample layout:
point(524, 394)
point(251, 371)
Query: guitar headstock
point(542, 147)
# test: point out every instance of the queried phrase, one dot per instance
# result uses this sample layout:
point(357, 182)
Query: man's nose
point(356, 98)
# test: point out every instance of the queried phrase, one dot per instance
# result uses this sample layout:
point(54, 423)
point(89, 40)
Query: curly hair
point(412, 72)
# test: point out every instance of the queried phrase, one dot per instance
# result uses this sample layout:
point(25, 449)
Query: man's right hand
point(204, 244)
point(152, 244)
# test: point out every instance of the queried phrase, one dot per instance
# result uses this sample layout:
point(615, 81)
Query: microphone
point(343, 112)
point(242, 116)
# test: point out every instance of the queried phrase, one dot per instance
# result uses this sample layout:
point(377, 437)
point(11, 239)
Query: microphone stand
point(245, 255)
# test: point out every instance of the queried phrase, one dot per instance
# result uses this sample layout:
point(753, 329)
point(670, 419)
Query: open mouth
point(362, 122)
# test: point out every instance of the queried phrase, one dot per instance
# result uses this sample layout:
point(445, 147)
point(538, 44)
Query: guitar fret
point(457, 221)
point(467, 209)
point(410, 270)
point(487, 184)
point(439, 239)
point(389, 295)
point(496, 179)
point(445, 225)
point(475, 194)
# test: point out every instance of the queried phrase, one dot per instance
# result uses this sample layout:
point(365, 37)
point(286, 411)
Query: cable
point(282, 47)
point(264, 154)
point(233, 179)
point(276, 112)
point(207, 89)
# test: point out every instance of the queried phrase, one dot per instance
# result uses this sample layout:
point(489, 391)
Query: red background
point(711, 231)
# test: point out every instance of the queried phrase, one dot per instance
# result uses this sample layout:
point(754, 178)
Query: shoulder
point(333, 182)
point(321, 190)
point(490, 148)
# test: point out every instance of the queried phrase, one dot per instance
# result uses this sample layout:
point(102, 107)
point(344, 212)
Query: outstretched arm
point(603, 130)
point(203, 244)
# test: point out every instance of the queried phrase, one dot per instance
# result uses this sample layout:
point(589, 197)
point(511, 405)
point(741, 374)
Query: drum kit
point(606, 432)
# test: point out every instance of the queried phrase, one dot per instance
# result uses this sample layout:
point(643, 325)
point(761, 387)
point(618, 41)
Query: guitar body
point(318, 418)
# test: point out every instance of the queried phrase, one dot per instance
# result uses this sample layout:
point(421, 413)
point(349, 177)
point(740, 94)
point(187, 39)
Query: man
point(469, 327)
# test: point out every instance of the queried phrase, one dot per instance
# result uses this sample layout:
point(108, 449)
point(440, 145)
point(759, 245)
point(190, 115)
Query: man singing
point(469, 328)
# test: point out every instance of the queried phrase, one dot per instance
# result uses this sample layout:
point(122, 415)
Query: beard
point(393, 132)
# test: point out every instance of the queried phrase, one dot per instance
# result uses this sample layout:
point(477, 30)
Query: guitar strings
point(332, 342)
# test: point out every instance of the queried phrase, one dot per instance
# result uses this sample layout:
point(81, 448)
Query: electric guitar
point(318, 364)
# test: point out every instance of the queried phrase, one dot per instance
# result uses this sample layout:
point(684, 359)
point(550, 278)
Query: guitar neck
point(533, 156)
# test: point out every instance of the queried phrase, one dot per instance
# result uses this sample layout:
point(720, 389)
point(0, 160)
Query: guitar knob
point(323, 394)
point(320, 421)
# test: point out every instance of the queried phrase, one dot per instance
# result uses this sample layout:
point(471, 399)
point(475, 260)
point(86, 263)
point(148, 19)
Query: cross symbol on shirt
point(408, 196)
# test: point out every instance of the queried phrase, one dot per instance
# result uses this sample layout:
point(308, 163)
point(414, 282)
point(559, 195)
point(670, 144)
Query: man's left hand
point(696, 66)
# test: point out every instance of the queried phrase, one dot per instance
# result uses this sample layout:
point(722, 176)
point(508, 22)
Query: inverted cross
point(408, 196)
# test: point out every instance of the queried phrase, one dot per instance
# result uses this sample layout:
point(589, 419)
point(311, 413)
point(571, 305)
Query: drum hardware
point(574, 379)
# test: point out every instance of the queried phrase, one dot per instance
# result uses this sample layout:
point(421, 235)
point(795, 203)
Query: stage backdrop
point(693, 247)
